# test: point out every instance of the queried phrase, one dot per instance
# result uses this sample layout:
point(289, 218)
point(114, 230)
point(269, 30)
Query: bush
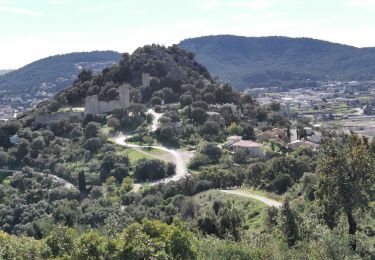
point(93, 144)
point(211, 150)
point(155, 100)
point(199, 115)
point(199, 160)
point(186, 100)
point(92, 130)
point(200, 104)
point(114, 122)
point(167, 134)
point(240, 156)
point(281, 183)
point(149, 170)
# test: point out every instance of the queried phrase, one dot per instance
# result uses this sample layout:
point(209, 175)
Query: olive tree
point(346, 176)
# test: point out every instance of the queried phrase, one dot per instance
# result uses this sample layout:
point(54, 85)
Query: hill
point(56, 72)
point(173, 72)
point(2, 72)
point(26, 87)
point(248, 62)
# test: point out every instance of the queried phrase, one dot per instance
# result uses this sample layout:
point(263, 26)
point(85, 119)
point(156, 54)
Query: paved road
point(265, 200)
point(180, 157)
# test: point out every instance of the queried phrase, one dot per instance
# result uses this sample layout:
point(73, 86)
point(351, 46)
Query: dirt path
point(155, 121)
point(180, 157)
point(265, 200)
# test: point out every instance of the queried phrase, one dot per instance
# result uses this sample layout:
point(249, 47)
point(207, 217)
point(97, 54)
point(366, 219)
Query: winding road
point(265, 200)
point(180, 157)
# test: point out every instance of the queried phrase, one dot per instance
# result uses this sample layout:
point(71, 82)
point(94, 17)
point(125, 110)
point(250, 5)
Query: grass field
point(252, 209)
point(132, 154)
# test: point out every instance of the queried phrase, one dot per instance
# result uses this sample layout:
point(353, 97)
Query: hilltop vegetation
point(249, 62)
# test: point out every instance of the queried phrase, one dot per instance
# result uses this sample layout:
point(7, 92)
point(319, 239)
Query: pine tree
point(82, 181)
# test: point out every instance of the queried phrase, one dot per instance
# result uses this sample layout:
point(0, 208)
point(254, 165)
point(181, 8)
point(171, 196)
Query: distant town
point(335, 105)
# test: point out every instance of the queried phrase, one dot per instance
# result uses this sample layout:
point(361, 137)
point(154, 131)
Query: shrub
point(93, 144)
point(281, 183)
point(92, 130)
point(149, 170)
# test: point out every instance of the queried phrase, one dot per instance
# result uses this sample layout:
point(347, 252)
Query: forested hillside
point(60, 70)
point(249, 62)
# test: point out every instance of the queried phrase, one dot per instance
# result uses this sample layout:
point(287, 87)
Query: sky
point(34, 29)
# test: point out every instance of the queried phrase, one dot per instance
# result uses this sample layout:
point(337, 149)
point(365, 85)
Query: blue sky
point(33, 29)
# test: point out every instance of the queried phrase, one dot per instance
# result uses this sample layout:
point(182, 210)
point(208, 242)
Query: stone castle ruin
point(95, 106)
point(146, 79)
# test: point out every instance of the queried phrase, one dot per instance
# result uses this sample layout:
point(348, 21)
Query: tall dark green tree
point(82, 181)
point(287, 223)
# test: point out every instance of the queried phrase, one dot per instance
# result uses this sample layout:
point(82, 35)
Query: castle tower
point(124, 93)
point(91, 105)
point(146, 79)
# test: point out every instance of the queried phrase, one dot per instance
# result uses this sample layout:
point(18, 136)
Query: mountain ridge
point(5, 71)
point(61, 65)
point(248, 62)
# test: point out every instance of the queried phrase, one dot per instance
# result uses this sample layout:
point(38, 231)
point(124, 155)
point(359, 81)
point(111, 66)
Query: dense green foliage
point(248, 62)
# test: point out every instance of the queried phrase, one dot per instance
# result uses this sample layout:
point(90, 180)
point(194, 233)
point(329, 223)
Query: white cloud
point(250, 4)
point(100, 8)
point(254, 17)
point(360, 3)
point(138, 12)
point(56, 2)
point(19, 11)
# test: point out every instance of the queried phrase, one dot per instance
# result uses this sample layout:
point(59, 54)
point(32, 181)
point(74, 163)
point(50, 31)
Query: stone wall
point(146, 79)
point(124, 93)
point(95, 106)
